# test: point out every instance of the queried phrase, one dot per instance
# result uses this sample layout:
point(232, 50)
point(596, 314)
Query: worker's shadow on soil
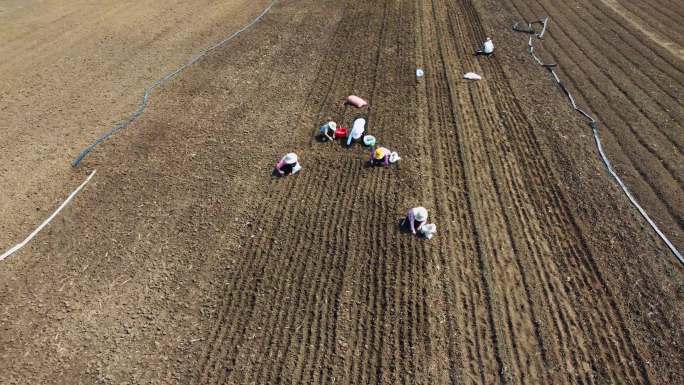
point(322, 139)
point(368, 164)
point(342, 142)
point(404, 228)
point(276, 175)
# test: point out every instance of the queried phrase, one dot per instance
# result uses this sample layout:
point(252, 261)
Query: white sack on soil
point(358, 128)
point(429, 230)
point(472, 76)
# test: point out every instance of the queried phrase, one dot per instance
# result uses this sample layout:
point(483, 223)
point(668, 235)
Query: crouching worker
point(288, 165)
point(380, 156)
point(487, 48)
point(327, 131)
point(415, 219)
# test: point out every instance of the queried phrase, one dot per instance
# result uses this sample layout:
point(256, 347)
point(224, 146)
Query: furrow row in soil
point(639, 91)
point(642, 94)
point(519, 134)
point(653, 179)
point(666, 21)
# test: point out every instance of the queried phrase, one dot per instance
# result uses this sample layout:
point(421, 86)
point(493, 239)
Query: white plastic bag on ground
point(357, 130)
point(472, 76)
point(429, 230)
point(394, 157)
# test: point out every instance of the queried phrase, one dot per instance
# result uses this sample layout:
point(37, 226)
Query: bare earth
point(185, 262)
point(72, 69)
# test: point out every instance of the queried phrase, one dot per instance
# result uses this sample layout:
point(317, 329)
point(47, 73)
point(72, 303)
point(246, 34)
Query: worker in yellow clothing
point(380, 156)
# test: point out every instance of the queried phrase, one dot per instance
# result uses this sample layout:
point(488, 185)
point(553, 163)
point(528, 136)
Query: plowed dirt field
point(185, 262)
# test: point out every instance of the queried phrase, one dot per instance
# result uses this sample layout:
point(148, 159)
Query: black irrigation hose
point(148, 91)
point(594, 127)
point(529, 29)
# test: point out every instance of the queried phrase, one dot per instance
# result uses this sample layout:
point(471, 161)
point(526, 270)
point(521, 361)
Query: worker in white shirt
point(357, 130)
point(487, 48)
point(415, 219)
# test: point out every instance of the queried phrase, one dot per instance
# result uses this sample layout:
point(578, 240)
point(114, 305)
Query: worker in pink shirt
point(288, 165)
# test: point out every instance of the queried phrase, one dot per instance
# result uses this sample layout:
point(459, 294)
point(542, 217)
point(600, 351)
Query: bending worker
point(357, 130)
point(487, 48)
point(380, 156)
point(288, 165)
point(328, 131)
point(415, 219)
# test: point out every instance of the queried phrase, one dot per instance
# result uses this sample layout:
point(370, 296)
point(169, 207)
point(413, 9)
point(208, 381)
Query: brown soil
point(184, 261)
point(658, 22)
point(72, 69)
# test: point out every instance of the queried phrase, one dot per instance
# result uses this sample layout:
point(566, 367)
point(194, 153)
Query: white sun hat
point(420, 214)
point(290, 158)
point(332, 125)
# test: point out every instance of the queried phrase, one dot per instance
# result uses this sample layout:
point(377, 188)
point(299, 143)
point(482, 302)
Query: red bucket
point(341, 132)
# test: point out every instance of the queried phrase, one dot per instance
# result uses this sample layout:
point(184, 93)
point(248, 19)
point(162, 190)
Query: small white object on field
point(420, 72)
point(472, 76)
point(429, 230)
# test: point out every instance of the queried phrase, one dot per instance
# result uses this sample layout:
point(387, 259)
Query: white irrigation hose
point(631, 198)
point(594, 127)
point(544, 23)
point(148, 91)
point(45, 223)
